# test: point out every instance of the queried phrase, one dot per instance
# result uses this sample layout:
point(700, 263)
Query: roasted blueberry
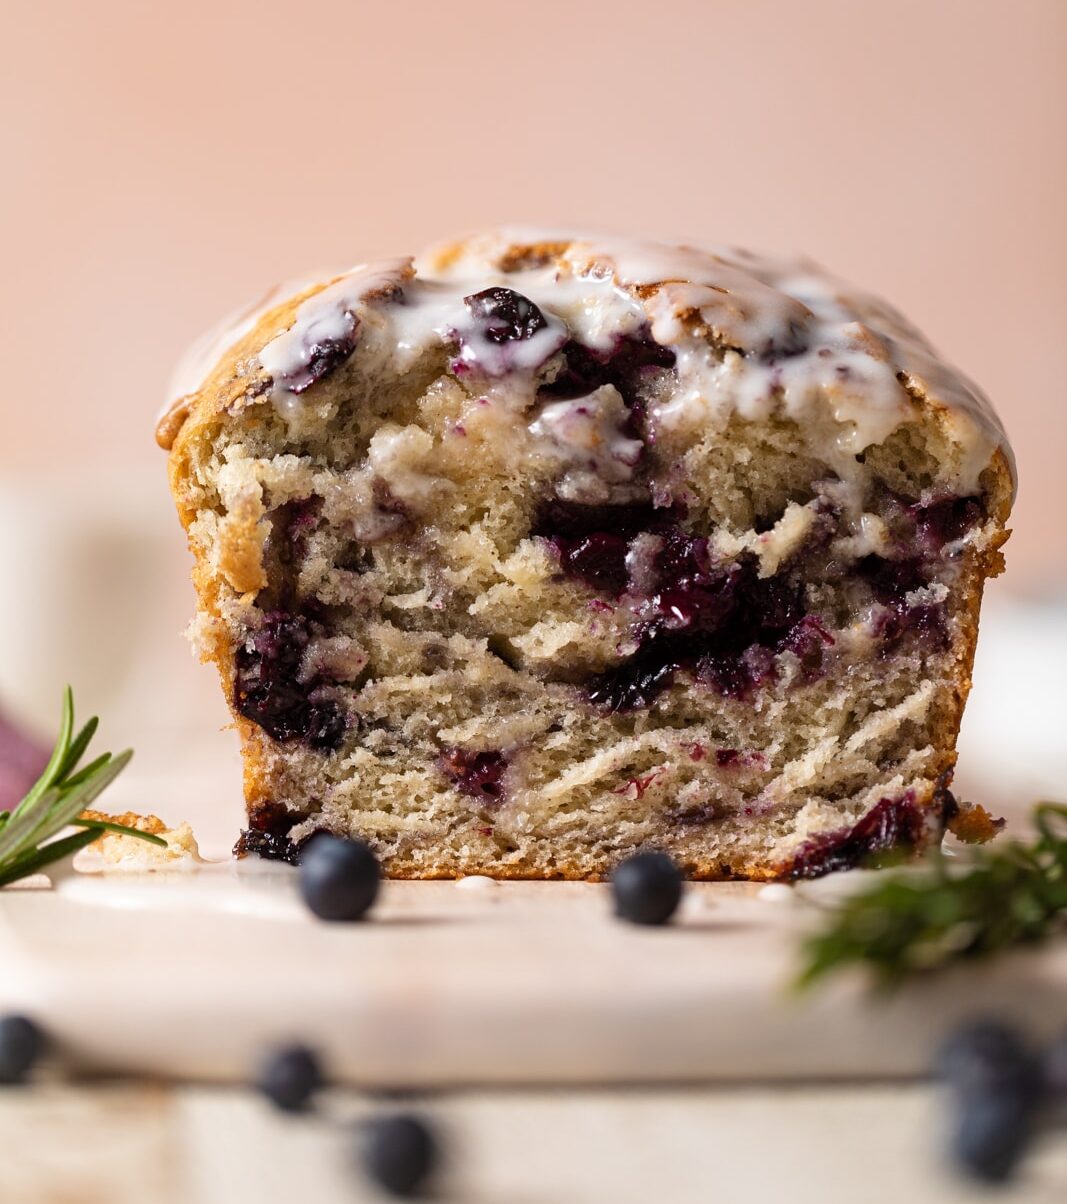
point(946, 520)
point(505, 315)
point(566, 521)
point(323, 356)
point(267, 834)
point(339, 878)
point(721, 621)
point(647, 888)
point(623, 366)
point(639, 680)
point(289, 1077)
point(399, 1153)
point(892, 580)
point(598, 560)
point(21, 1045)
point(268, 689)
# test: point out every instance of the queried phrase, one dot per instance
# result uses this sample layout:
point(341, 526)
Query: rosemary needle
point(913, 922)
point(56, 801)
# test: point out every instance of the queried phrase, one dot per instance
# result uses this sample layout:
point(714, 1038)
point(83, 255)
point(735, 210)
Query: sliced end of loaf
point(524, 622)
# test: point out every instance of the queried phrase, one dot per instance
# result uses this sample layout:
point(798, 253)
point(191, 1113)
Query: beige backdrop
point(162, 164)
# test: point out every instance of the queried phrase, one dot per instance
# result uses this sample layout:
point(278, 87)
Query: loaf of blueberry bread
point(535, 551)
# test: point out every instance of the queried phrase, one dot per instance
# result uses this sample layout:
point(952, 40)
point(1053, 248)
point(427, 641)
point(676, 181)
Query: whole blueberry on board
point(21, 1045)
point(996, 1092)
point(339, 878)
point(991, 1132)
point(1056, 1066)
point(985, 1053)
point(399, 1153)
point(289, 1076)
point(647, 888)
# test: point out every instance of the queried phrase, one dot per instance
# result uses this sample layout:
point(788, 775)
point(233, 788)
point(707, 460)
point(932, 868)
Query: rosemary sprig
point(56, 801)
point(912, 922)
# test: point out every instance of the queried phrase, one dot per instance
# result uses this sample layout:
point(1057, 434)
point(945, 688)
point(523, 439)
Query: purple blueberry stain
point(721, 621)
point(625, 366)
point(286, 546)
point(597, 560)
point(808, 640)
point(479, 775)
point(736, 758)
point(892, 825)
point(925, 623)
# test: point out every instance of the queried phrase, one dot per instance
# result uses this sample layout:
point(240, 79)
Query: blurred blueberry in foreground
point(996, 1093)
point(289, 1077)
point(21, 1045)
point(399, 1153)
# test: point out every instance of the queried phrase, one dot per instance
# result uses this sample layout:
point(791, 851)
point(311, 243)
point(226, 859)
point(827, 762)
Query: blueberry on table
point(1055, 1066)
point(1054, 1079)
point(997, 1091)
point(985, 1053)
point(289, 1077)
point(991, 1132)
point(21, 1044)
point(647, 888)
point(338, 877)
point(399, 1153)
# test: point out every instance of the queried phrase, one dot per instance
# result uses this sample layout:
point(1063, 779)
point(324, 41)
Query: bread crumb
point(972, 824)
point(112, 851)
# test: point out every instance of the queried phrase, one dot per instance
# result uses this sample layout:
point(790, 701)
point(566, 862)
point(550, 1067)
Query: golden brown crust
point(151, 824)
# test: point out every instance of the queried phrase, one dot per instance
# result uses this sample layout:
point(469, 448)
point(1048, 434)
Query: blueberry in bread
point(538, 551)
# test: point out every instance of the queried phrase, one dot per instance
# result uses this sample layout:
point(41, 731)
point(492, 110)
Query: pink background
point(163, 164)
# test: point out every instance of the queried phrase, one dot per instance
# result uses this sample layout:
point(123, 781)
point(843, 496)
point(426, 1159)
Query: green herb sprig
point(913, 922)
point(57, 800)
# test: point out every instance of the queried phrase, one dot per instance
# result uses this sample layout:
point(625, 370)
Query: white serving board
point(193, 975)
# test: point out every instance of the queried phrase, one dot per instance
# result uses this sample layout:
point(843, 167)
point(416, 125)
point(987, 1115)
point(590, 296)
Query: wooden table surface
point(136, 1143)
point(73, 1139)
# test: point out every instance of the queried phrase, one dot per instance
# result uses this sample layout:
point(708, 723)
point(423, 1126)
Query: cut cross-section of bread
point(537, 551)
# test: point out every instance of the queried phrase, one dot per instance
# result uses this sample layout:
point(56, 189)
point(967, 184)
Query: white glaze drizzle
point(587, 435)
point(751, 334)
point(329, 317)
